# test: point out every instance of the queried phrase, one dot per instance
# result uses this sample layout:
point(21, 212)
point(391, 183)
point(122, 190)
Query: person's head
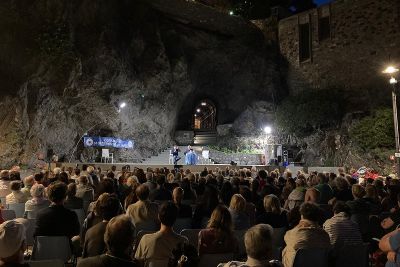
point(312, 195)
point(57, 170)
point(119, 235)
point(272, 204)
point(57, 192)
point(358, 191)
point(258, 242)
point(113, 168)
point(221, 219)
point(310, 211)
point(15, 186)
point(322, 178)
point(37, 190)
point(371, 192)
point(108, 206)
point(132, 181)
point(29, 181)
point(71, 190)
point(168, 213)
point(39, 177)
point(142, 192)
point(177, 195)
point(12, 241)
point(4, 175)
point(83, 180)
point(160, 179)
point(238, 203)
point(340, 206)
point(341, 183)
point(263, 174)
point(77, 172)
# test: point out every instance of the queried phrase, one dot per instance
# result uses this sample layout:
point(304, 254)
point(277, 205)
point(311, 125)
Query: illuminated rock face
point(65, 66)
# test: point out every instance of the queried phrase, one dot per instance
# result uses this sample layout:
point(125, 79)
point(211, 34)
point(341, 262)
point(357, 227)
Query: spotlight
point(390, 70)
point(198, 110)
point(203, 103)
point(231, 13)
point(122, 105)
point(267, 129)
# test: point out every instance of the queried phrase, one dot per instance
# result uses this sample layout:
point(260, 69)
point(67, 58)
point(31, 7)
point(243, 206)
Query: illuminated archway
point(204, 115)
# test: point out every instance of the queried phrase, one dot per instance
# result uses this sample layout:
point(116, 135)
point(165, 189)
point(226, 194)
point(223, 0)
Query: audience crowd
point(259, 218)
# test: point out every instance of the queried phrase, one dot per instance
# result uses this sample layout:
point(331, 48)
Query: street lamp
point(391, 70)
point(121, 106)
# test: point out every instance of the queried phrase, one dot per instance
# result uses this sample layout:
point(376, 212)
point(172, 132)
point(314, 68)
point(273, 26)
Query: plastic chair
point(51, 247)
point(81, 215)
point(182, 223)
point(315, 257)
point(192, 235)
point(30, 239)
point(46, 263)
point(239, 234)
point(211, 260)
point(352, 256)
point(8, 215)
point(19, 209)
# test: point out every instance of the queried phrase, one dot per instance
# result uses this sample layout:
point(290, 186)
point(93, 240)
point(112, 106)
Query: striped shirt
point(342, 230)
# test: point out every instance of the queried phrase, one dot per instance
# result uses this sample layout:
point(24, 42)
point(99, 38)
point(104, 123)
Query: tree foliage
point(375, 131)
point(310, 110)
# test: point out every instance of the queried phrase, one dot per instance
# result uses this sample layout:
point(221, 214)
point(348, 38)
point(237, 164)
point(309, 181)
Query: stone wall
point(239, 158)
point(364, 38)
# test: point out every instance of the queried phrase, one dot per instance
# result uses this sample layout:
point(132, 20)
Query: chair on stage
point(106, 156)
point(171, 158)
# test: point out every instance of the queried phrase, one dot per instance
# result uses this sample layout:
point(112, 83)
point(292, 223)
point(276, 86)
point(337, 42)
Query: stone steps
point(205, 137)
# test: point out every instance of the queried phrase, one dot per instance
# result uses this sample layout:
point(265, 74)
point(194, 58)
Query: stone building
point(345, 44)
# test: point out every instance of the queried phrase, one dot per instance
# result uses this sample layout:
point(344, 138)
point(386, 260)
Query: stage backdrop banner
point(97, 141)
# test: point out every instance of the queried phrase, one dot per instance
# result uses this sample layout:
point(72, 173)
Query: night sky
point(320, 2)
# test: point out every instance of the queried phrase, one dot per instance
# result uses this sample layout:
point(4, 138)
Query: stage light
point(203, 103)
point(390, 70)
point(198, 110)
point(392, 80)
point(231, 13)
point(267, 129)
point(122, 105)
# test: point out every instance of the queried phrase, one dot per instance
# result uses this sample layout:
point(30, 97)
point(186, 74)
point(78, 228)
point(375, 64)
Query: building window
point(304, 42)
point(324, 28)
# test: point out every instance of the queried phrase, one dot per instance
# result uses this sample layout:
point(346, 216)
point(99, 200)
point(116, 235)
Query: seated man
point(258, 243)
point(160, 245)
point(161, 193)
point(118, 237)
point(12, 243)
point(184, 211)
point(109, 207)
point(73, 202)
point(306, 235)
point(143, 213)
point(57, 220)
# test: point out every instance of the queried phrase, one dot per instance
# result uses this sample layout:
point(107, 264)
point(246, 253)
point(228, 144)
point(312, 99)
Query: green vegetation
point(374, 131)
point(308, 111)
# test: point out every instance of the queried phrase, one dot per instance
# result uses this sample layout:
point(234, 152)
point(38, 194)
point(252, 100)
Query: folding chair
point(192, 235)
point(19, 209)
point(182, 223)
point(52, 247)
point(212, 260)
point(8, 215)
point(46, 263)
point(315, 257)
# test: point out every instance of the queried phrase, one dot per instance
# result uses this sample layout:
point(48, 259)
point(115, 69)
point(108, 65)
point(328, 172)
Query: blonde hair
point(90, 169)
point(238, 203)
point(170, 177)
point(358, 191)
point(272, 204)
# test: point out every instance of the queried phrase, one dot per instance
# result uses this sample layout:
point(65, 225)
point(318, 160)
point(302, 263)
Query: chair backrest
point(156, 263)
point(81, 215)
point(30, 240)
point(315, 257)
point(19, 209)
point(239, 234)
point(182, 223)
point(105, 153)
point(46, 263)
point(212, 260)
point(51, 247)
point(8, 215)
point(352, 256)
point(192, 235)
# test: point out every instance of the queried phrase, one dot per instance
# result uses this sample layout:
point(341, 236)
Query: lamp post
point(121, 106)
point(391, 71)
point(267, 152)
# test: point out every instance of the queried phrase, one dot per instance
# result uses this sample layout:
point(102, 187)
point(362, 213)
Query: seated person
point(12, 243)
point(84, 190)
point(237, 208)
point(56, 220)
point(143, 213)
point(184, 211)
point(342, 230)
point(16, 196)
point(37, 203)
point(108, 207)
point(273, 215)
point(258, 243)
point(28, 183)
point(73, 202)
point(161, 193)
point(118, 237)
point(218, 237)
point(307, 234)
point(160, 245)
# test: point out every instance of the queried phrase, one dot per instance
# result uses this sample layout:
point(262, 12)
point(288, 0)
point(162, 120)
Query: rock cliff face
point(65, 65)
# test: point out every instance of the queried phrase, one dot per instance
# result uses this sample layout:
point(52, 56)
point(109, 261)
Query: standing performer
point(175, 154)
point(191, 157)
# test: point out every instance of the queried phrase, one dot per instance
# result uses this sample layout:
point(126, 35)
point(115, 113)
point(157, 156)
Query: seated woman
point(16, 195)
point(273, 215)
point(38, 201)
point(237, 208)
point(218, 237)
point(73, 202)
